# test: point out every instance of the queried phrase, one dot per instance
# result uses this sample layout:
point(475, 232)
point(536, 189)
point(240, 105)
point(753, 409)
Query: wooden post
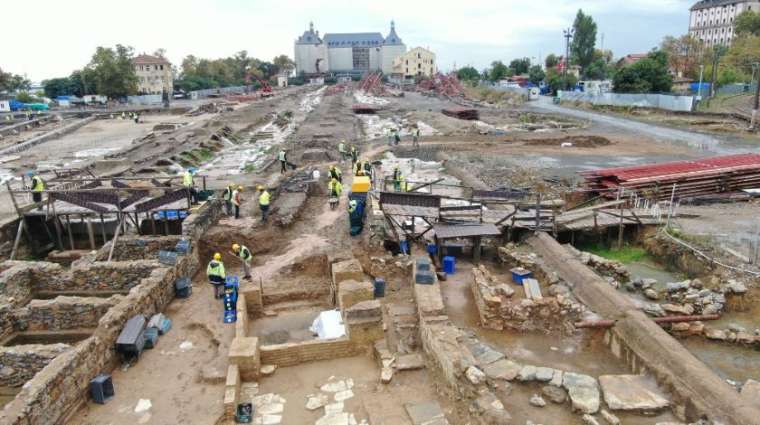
point(103, 229)
point(476, 249)
point(68, 230)
point(620, 226)
point(18, 239)
point(57, 227)
point(114, 240)
point(90, 233)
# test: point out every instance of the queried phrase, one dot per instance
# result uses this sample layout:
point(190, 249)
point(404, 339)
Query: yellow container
point(360, 184)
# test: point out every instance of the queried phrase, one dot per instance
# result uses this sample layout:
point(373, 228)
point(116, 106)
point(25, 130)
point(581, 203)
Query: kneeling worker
point(216, 274)
point(245, 256)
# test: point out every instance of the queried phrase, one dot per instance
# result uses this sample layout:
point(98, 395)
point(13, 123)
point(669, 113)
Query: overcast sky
point(51, 38)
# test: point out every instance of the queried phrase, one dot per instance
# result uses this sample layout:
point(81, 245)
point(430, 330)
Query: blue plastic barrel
point(449, 265)
point(379, 287)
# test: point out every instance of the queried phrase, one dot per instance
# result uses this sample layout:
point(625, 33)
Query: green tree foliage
point(468, 73)
point(284, 63)
point(748, 23)
point(498, 71)
point(685, 54)
point(113, 71)
point(240, 69)
point(557, 81)
point(597, 70)
point(536, 74)
point(55, 87)
point(13, 82)
point(645, 76)
point(25, 97)
point(584, 40)
point(744, 51)
point(520, 66)
point(551, 61)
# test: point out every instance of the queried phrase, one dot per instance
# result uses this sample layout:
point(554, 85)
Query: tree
point(744, 51)
point(584, 40)
point(685, 54)
point(551, 61)
point(748, 22)
point(25, 97)
point(647, 75)
point(498, 71)
point(536, 74)
point(55, 87)
point(284, 63)
point(597, 70)
point(113, 71)
point(468, 73)
point(557, 81)
point(520, 66)
point(13, 82)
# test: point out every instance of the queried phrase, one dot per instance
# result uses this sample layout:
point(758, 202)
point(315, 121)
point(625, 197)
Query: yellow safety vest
point(216, 268)
point(264, 198)
point(245, 253)
point(187, 179)
point(37, 184)
point(335, 186)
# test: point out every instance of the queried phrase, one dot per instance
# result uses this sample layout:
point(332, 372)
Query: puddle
point(732, 362)
point(651, 270)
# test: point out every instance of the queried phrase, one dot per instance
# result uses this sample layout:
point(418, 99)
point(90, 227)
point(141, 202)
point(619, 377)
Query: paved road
point(698, 141)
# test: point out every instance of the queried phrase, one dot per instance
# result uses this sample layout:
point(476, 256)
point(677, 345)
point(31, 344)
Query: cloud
point(473, 32)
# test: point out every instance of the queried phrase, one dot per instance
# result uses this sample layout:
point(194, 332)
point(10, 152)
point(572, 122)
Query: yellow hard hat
point(235, 247)
point(218, 256)
point(260, 187)
point(240, 188)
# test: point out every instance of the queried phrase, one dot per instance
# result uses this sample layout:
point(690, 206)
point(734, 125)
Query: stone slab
point(632, 393)
point(425, 412)
point(502, 369)
point(410, 362)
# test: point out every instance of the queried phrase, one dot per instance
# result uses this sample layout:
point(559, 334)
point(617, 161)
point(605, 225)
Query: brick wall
point(291, 354)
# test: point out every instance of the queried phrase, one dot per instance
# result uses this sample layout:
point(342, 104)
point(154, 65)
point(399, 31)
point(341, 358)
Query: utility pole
point(701, 74)
point(753, 121)
point(568, 35)
point(718, 52)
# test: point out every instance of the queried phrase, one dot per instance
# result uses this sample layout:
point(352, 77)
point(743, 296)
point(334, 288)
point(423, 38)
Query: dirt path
point(170, 376)
point(694, 140)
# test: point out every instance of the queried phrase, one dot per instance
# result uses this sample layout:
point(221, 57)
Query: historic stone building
point(418, 62)
point(154, 75)
point(714, 21)
point(353, 53)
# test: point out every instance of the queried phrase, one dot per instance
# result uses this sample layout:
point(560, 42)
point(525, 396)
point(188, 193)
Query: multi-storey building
point(417, 62)
point(714, 21)
point(353, 53)
point(154, 75)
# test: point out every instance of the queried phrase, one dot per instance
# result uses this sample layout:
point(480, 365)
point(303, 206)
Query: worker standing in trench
point(237, 200)
point(342, 150)
point(38, 185)
point(264, 199)
point(244, 254)
point(216, 274)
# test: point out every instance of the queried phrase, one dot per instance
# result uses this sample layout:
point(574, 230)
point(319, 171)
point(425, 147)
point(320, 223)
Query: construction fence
point(146, 99)
point(641, 100)
point(221, 91)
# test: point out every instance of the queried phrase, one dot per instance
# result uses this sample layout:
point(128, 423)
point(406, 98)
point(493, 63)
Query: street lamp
point(568, 34)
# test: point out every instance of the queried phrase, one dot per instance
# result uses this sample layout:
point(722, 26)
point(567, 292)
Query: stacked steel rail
point(372, 83)
point(679, 179)
point(442, 84)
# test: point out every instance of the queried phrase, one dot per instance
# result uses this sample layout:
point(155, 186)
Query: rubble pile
point(601, 265)
point(500, 308)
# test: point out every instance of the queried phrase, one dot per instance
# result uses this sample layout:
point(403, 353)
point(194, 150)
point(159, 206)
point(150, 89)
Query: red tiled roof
point(149, 60)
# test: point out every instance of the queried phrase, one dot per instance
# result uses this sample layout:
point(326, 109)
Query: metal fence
point(642, 100)
point(202, 94)
point(146, 99)
point(737, 89)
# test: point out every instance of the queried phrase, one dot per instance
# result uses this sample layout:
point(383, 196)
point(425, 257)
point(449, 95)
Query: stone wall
point(18, 282)
point(19, 364)
point(104, 275)
point(63, 313)
point(499, 307)
point(58, 388)
point(196, 224)
point(642, 344)
point(291, 354)
point(138, 248)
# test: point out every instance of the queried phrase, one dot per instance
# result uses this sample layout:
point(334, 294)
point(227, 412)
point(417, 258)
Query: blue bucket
point(449, 265)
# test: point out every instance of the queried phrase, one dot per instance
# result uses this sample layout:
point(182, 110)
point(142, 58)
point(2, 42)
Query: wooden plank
point(532, 289)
